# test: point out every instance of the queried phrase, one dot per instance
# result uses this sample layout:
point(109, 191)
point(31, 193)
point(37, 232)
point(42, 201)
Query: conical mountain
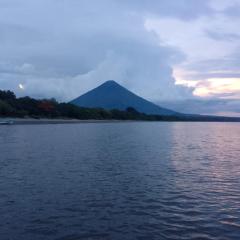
point(111, 95)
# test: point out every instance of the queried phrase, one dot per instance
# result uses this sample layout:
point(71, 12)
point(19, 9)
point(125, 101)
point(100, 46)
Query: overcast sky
point(160, 49)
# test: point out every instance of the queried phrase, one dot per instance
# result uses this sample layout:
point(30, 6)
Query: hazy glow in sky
point(225, 87)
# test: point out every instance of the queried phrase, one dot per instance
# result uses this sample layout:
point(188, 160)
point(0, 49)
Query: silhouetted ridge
point(111, 95)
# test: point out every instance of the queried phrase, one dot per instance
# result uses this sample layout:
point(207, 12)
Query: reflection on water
point(120, 181)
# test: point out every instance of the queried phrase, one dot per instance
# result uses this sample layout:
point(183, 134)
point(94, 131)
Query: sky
point(163, 50)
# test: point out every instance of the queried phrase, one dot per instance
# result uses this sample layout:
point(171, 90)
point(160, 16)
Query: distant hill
point(218, 107)
point(111, 95)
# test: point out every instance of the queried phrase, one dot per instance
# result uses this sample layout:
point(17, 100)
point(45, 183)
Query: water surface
point(120, 181)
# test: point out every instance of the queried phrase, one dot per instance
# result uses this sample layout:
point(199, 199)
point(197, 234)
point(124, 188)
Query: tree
point(132, 110)
point(7, 95)
point(5, 109)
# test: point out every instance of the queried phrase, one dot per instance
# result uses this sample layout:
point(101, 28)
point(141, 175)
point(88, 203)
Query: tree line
point(27, 107)
point(11, 106)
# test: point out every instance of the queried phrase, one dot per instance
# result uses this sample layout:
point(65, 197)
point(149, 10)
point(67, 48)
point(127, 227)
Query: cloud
point(62, 48)
point(201, 39)
point(221, 107)
point(223, 5)
point(181, 9)
point(211, 44)
point(221, 36)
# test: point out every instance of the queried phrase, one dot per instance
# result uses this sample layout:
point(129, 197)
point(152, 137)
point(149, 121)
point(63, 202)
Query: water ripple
point(160, 181)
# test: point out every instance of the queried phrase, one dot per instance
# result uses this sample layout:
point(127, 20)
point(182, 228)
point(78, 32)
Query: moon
point(21, 86)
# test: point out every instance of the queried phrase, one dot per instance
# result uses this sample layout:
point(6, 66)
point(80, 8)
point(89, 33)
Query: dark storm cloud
point(62, 48)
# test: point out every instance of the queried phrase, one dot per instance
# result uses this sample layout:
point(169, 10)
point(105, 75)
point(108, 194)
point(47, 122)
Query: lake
point(129, 180)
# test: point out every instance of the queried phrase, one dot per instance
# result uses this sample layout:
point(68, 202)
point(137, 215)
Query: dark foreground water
point(120, 181)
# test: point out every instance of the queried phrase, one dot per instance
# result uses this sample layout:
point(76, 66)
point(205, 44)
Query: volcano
point(111, 95)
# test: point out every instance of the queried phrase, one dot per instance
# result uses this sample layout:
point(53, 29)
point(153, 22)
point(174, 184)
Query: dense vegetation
point(11, 106)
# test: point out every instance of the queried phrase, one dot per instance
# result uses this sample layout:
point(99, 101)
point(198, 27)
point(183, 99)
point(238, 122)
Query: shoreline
point(32, 121)
point(43, 121)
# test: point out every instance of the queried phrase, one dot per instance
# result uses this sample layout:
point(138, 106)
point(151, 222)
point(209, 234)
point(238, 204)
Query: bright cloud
point(210, 44)
point(223, 87)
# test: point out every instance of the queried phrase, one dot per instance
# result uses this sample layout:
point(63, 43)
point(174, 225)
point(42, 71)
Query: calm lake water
point(120, 181)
